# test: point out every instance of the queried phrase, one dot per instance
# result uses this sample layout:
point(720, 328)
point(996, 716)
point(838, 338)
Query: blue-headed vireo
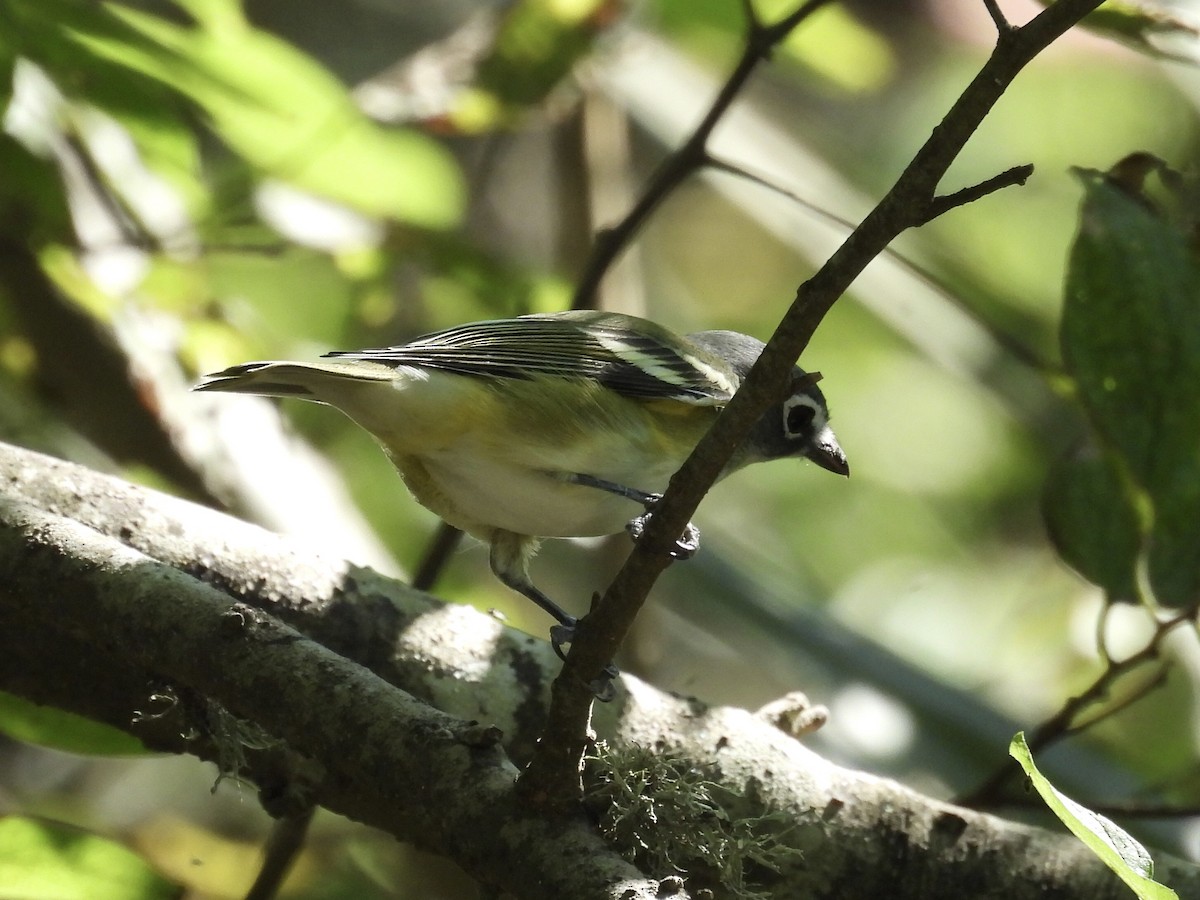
point(554, 425)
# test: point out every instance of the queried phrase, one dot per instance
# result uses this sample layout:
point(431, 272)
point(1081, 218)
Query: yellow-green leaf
point(40, 860)
point(50, 727)
point(278, 108)
point(1119, 851)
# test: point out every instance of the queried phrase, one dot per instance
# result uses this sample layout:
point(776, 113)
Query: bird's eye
point(798, 415)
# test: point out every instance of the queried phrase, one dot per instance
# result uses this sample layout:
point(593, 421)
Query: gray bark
point(395, 709)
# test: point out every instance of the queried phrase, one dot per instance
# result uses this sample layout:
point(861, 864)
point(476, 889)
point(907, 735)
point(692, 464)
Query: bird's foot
point(561, 634)
point(685, 547)
point(602, 687)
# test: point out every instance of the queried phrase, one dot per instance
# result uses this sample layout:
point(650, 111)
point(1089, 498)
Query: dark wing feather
point(630, 356)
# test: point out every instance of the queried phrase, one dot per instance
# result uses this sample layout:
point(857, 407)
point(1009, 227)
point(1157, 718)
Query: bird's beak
point(827, 453)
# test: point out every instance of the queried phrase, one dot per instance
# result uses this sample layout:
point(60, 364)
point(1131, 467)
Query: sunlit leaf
point(841, 49)
point(39, 860)
point(1118, 850)
point(1141, 25)
point(537, 44)
point(832, 44)
point(498, 65)
point(276, 107)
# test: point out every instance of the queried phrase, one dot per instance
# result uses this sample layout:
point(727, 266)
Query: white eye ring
point(807, 424)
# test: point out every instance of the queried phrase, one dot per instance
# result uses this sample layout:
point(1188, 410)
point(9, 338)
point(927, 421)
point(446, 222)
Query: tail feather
point(290, 379)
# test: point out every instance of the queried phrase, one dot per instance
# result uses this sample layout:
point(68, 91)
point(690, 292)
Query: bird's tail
point(293, 379)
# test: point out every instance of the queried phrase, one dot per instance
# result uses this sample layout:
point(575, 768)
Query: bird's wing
point(630, 356)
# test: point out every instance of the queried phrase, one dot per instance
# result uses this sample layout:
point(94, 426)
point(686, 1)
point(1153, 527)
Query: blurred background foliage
point(193, 184)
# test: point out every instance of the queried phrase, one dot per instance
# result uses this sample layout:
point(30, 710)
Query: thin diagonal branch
point(1066, 719)
point(691, 156)
point(554, 769)
point(1151, 684)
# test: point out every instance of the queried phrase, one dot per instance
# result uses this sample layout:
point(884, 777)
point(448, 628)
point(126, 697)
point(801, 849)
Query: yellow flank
point(417, 411)
point(581, 426)
point(425, 490)
point(488, 455)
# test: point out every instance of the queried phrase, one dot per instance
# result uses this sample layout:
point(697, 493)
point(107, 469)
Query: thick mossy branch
point(111, 592)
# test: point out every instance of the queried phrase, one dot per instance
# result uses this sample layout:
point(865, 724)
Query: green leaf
point(1091, 519)
point(39, 860)
point(32, 197)
point(837, 46)
point(834, 44)
point(1115, 847)
point(279, 109)
point(1131, 340)
point(1138, 25)
point(8, 59)
point(49, 727)
point(537, 44)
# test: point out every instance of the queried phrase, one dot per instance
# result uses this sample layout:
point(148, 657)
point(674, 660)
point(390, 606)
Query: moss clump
point(669, 817)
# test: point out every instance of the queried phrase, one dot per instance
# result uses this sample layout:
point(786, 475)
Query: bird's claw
point(688, 543)
point(603, 687)
point(560, 634)
point(685, 547)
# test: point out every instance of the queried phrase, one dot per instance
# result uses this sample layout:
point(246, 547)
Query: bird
point(549, 425)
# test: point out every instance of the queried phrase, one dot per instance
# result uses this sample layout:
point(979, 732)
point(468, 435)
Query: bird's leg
point(509, 560)
point(686, 545)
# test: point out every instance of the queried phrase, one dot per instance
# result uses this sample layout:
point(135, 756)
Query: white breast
point(536, 502)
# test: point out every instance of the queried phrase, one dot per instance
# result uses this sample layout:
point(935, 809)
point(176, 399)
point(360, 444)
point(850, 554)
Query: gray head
point(799, 426)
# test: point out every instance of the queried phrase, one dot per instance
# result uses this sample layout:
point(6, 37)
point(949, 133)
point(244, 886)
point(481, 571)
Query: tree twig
point(1066, 720)
point(1151, 684)
point(283, 846)
point(1010, 343)
point(691, 155)
point(437, 553)
point(946, 202)
point(1003, 26)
